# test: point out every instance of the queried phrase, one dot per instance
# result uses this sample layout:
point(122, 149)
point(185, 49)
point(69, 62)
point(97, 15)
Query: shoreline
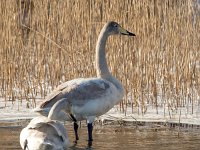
point(18, 111)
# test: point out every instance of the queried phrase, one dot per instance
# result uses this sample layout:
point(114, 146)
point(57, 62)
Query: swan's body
point(42, 133)
point(90, 97)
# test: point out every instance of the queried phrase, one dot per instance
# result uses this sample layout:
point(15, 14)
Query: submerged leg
point(90, 139)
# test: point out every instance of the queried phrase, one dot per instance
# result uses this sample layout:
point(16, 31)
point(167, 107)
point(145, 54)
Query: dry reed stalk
point(48, 42)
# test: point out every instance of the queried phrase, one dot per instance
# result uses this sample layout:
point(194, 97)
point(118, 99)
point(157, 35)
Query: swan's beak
point(125, 32)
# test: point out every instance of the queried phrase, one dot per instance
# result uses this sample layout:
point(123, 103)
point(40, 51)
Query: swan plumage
point(87, 98)
point(43, 133)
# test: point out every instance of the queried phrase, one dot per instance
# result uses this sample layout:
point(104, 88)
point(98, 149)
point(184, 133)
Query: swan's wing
point(56, 94)
point(78, 91)
point(90, 90)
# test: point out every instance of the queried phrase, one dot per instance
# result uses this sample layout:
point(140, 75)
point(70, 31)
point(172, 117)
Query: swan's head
point(113, 28)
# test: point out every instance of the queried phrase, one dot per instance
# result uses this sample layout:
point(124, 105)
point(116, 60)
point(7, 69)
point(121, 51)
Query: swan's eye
point(115, 25)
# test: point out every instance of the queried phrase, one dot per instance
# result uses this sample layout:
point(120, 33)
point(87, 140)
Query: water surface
point(115, 137)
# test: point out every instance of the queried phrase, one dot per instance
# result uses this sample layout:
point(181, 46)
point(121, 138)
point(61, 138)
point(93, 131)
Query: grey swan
point(87, 98)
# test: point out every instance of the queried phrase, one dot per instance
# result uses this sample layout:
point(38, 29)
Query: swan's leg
point(76, 131)
point(75, 127)
point(25, 144)
point(90, 121)
point(90, 139)
point(90, 128)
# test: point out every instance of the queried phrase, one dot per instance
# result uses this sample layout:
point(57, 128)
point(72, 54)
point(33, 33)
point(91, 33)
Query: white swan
point(87, 98)
point(42, 133)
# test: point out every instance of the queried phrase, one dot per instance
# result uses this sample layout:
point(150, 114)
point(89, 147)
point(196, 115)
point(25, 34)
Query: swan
point(42, 133)
point(87, 98)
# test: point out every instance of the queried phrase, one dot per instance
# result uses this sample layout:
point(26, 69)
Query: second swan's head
point(113, 28)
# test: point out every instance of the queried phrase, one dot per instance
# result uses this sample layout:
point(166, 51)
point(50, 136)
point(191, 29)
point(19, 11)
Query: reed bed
point(45, 43)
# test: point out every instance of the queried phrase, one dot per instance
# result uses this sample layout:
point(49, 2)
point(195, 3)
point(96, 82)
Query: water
point(114, 137)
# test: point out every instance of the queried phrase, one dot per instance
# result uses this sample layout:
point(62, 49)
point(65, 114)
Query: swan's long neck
point(101, 63)
point(56, 112)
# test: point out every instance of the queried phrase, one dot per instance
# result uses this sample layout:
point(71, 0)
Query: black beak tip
point(131, 34)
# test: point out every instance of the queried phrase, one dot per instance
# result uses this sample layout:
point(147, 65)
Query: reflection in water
point(115, 137)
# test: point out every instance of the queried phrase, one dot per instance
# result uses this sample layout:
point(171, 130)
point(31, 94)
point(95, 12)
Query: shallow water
point(114, 137)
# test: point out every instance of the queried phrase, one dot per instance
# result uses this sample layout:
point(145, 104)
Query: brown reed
point(48, 42)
